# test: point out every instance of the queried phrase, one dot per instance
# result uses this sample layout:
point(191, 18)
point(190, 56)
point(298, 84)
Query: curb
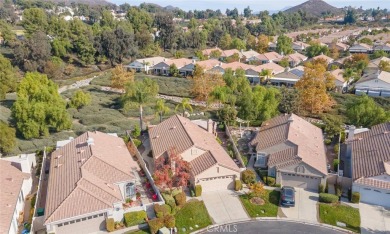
point(273, 219)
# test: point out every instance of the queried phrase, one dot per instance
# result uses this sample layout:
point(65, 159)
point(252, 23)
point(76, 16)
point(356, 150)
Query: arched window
point(300, 169)
point(130, 189)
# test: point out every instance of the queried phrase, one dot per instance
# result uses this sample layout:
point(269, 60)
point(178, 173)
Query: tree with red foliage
point(171, 171)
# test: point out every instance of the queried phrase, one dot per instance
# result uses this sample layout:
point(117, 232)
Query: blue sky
point(256, 5)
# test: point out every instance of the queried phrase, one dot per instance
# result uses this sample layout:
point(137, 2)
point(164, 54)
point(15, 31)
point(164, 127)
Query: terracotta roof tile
point(373, 183)
point(202, 163)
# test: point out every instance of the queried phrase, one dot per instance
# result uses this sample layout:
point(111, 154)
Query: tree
point(384, 66)
point(349, 74)
point(358, 62)
point(184, 105)
point(257, 190)
point(284, 45)
point(284, 62)
point(34, 52)
point(350, 16)
point(204, 83)
point(332, 125)
point(7, 138)
point(316, 49)
point(39, 107)
point(225, 42)
point(312, 89)
point(366, 40)
point(171, 171)
point(166, 26)
point(289, 102)
point(265, 74)
point(80, 99)
point(228, 114)
point(247, 12)
point(161, 108)
point(7, 77)
point(173, 70)
point(238, 44)
point(262, 44)
point(120, 77)
point(138, 93)
point(379, 54)
point(220, 94)
point(365, 112)
point(334, 51)
point(34, 19)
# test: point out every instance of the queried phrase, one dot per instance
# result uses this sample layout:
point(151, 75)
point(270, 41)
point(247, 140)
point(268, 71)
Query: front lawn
point(192, 213)
point(332, 213)
point(269, 209)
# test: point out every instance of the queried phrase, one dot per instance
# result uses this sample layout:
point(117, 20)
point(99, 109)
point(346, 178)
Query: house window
point(130, 189)
point(300, 169)
point(217, 169)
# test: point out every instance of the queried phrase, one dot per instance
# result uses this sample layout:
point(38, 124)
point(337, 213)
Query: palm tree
point(161, 108)
point(267, 73)
point(138, 94)
point(348, 74)
point(184, 105)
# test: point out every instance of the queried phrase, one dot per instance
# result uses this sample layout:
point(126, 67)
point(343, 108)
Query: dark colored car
point(288, 196)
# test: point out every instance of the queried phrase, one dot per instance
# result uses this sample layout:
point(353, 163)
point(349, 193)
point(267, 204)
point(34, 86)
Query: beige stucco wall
point(371, 84)
point(308, 170)
point(216, 171)
point(192, 153)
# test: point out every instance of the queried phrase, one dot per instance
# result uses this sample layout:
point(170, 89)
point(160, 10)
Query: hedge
point(155, 225)
point(355, 198)
point(328, 198)
point(180, 199)
point(237, 185)
point(271, 181)
point(110, 224)
point(198, 190)
point(162, 210)
point(248, 176)
point(135, 218)
point(169, 221)
point(137, 142)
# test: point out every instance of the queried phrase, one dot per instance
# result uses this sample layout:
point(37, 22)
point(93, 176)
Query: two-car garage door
point(300, 181)
point(217, 183)
point(375, 196)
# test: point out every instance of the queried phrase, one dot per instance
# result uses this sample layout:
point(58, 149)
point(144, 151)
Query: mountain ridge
point(315, 8)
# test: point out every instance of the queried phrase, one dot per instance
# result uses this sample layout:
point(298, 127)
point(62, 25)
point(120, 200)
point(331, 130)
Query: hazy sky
point(256, 5)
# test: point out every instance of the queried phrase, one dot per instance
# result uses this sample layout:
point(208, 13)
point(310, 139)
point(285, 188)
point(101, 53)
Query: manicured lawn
point(192, 213)
point(269, 209)
point(141, 231)
point(332, 213)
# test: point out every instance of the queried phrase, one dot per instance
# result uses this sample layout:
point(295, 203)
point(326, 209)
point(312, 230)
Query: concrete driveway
point(224, 206)
point(374, 219)
point(305, 208)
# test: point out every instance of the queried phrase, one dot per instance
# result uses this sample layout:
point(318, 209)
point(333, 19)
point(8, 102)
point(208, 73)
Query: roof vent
point(290, 119)
point(59, 165)
point(156, 137)
point(90, 141)
point(10, 179)
point(360, 138)
point(386, 132)
point(81, 151)
point(173, 127)
point(82, 160)
point(59, 156)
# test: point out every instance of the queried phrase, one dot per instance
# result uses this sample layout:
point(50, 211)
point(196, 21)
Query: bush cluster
point(328, 198)
point(355, 198)
point(237, 185)
point(180, 198)
point(198, 190)
point(248, 176)
point(155, 225)
point(110, 224)
point(135, 218)
point(162, 210)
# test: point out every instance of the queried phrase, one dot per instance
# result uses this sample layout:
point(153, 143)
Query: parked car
point(288, 196)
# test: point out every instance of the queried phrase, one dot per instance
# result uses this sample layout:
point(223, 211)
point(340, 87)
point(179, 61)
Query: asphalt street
point(271, 227)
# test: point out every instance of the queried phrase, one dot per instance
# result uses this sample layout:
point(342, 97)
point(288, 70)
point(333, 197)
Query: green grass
point(192, 213)
point(332, 213)
point(270, 208)
point(171, 85)
point(141, 231)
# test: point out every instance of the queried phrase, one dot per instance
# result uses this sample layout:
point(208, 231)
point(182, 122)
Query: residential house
point(374, 84)
point(339, 46)
point(227, 53)
point(162, 68)
point(207, 52)
point(145, 64)
point(370, 156)
point(253, 73)
point(264, 58)
point(16, 183)
point(90, 178)
point(207, 65)
point(211, 167)
point(341, 84)
point(293, 59)
point(299, 46)
point(287, 78)
point(373, 66)
point(248, 54)
point(360, 48)
point(382, 47)
point(292, 150)
point(328, 59)
point(272, 46)
point(340, 62)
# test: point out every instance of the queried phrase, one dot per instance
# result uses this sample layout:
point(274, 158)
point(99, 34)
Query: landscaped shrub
point(321, 188)
point(174, 192)
point(169, 221)
point(355, 198)
point(328, 198)
point(110, 224)
point(248, 176)
point(162, 210)
point(198, 190)
point(339, 190)
point(271, 181)
point(237, 185)
point(278, 185)
point(156, 224)
point(168, 198)
point(135, 218)
point(180, 199)
point(264, 178)
point(328, 141)
point(336, 164)
point(136, 131)
point(137, 142)
point(336, 149)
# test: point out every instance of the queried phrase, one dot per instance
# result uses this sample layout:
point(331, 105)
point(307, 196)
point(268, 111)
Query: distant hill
point(315, 8)
point(88, 2)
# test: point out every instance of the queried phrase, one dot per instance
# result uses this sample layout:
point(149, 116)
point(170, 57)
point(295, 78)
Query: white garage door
point(300, 181)
point(217, 183)
point(376, 197)
point(91, 224)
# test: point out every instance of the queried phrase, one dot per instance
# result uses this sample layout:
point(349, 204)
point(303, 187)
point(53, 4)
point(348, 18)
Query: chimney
point(90, 141)
point(290, 119)
point(351, 133)
point(210, 124)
